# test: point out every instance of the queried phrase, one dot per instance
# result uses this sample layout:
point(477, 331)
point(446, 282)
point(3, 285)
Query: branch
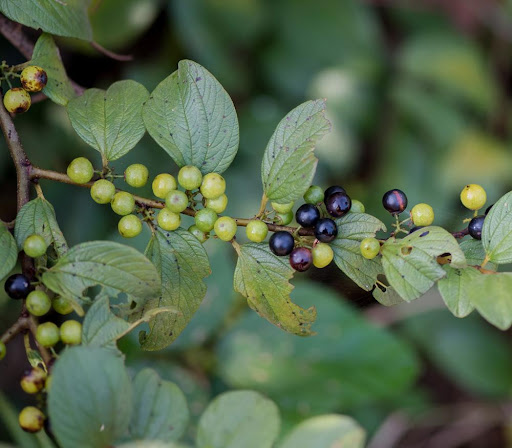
point(111, 54)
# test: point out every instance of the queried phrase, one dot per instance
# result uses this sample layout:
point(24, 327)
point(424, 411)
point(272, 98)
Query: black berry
point(475, 227)
point(281, 243)
point(394, 201)
point(307, 215)
point(17, 286)
point(488, 209)
point(325, 230)
point(413, 229)
point(338, 204)
point(332, 190)
point(301, 259)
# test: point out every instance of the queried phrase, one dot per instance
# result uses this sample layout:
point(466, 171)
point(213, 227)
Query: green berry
point(370, 248)
point(282, 208)
point(283, 219)
point(422, 215)
point(136, 175)
point(314, 195)
point(62, 306)
point(102, 191)
point(80, 170)
point(17, 100)
point(163, 184)
point(357, 206)
point(256, 231)
point(225, 228)
point(212, 186)
point(71, 332)
point(123, 203)
point(38, 303)
point(199, 234)
point(129, 226)
point(48, 383)
point(205, 219)
point(33, 381)
point(47, 334)
point(322, 255)
point(35, 246)
point(176, 201)
point(33, 78)
point(31, 419)
point(473, 196)
point(168, 220)
point(3, 350)
point(218, 205)
point(190, 178)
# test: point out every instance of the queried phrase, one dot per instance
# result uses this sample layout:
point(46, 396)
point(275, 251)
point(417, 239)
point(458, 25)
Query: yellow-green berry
point(123, 203)
point(136, 175)
point(168, 220)
point(218, 205)
point(71, 332)
point(225, 228)
point(198, 233)
point(129, 226)
point(422, 215)
point(370, 248)
point(189, 177)
point(314, 195)
point(283, 219)
point(282, 208)
point(47, 334)
point(205, 219)
point(212, 186)
point(176, 201)
point(33, 78)
point(256, 230)
point(163, 184)
point(102, 191)
point(357, 206)
point(62, 306)
point(35, 246)
point(33, 381)
point(473, 196)
point(17, 100)
point(38, 303)
point(322, 255)
point(31, 419)
point(80, 170)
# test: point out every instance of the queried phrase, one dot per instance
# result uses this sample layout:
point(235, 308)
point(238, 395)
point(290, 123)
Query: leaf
point(352, 229)
point(326, 431)
point(410, 263)
point(90, 400)
point(8, 251)
point(497, 231)
point(110, 121)
point(454, 289)
point(38, 217)
point(288, 163)
point(475, 253)
point(160, 408)
point(67, 18)
point(193, 119)
point(263, 278)
point(118, 269)
point(47, 55)
point(388, 297)
point(151, 444)
point(239, 419)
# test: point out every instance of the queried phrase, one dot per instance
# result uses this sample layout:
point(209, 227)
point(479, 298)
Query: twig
point(111, 54)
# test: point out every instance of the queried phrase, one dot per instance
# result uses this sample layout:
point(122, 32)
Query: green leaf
point(67, 18)
point(110, 121)
point(387, 297)
point(263, 279)
point(454, 289)
point(410, 263)
point(352, 229)
point(46, 55)
point(151, 444)
point(288, 163)
point(497, 231)
point(193, 119)
point(9, 251)
point(90, 400)
point(326, 431)
point(475, 253)
point(160, 408)
point(239, 419)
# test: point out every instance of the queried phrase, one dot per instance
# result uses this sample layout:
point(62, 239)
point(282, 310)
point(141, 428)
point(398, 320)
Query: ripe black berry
point(301, 259)
point(488, 209)
point(281, 243)
point(17, 286)
point(332, 190)
point(307, 215)
point(325, 230)
point(413, 229)
point(338, 204)
point(394, 201)
point(475, 227)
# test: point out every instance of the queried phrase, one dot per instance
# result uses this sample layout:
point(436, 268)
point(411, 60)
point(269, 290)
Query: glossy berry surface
point(218, 205)
point(189, 177)
point(212, 186)
point(102, 191)
point(338, 204)
point(301, 259)
point(17, 100)
point(322, 255)
point(3, 350)
point(332, 190)
point(123, 203)
point(422, 215)
point(283, 219)
point(256, 231)
point(199, 234)
point(205, 219)
point(225, 228)
point(62, 305)
point(281, 243)
point(71, 332)
point(129, 226)
point(326, 230)
point(33, 78)
point(35, 246)
point(307, 215)
point(282, 208)
point(31, 419)
point(475, 227)
point(370, 248)
point(176, 201)
point(80, 170)
point(33, 380)
point(163, 184)
point(47, 334)
point(17, 286)
point(473, 197)
point(394, 201)
point(357, 206)
point(38, 303)
point(314, 195)
point(136, 175)
point(168, 220)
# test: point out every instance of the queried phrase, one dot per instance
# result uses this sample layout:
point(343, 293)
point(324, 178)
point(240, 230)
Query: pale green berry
point(168, 220)
point(123, 203)
point(218, 205)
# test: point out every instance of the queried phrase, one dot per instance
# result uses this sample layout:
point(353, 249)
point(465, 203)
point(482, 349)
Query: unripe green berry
point(256, 230)
point(48, 383)
point(218, 205)
point(129, 226)
point(163, 184)
point(62, 306)
point(225, 228)
point(357, 206)
point(422, 215)
point(205, 219)
point(282, 208)
point(80, 170)
point(283, 219)
point(189, 177)
point(473, 196)
point(322, 255)
point(31, 419)
point(123, 203)
point(314, 195)
point(176, 201)
point(136, 175)
point(33, 381)
point(71, 332)
point(47, 334)
point(38, 303)
point(102, 191)
point(212, 186)
point(370, 248)
point(168, 220)
point(3, 350)
point(33, 78)
point(35, 246)
point(199, 234)
point(17, 100)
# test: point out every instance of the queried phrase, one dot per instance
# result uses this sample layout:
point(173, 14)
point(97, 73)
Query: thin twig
point(111, 54)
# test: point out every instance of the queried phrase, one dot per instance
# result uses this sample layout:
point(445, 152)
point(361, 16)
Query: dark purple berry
point(307, 215)
point(488, 209)
point(413, 229)
point(332, 190)
point(394, 201)
point(475, 227)
point(281, 243)
point(338, 204)
point(17, 286)
point(326, 230)
point(301, 259)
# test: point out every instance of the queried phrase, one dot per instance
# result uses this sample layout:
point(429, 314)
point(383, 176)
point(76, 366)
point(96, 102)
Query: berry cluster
point(17, 99)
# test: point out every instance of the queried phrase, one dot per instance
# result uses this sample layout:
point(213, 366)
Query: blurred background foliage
point(419, 97)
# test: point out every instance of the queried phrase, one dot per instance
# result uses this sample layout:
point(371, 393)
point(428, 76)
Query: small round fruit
point(176, 201)
point(168, 220)
point(35, 246)
point(205, 219)
point(80, 170)
point(370, 248)
point(218, 205)
point(71, 332)
point(283, 219)
point(475, 227)
point(488, 209)
point(307, 215)
point(414, 229)
point(38, 303)
point(394, 201)
point(338, 204)
point(136, 175)
point(33, 78)
point(102, 191)
point(357, 206)
point(123, 203)
point(281, 243)
point(332, 190)
point(17, 100)
point(3, 350)
point(326, 230)
point(33, 380)
point(301, 259)
point(282, 208)
point(163, 184)
point(322, 255)
point(473, 196)
point(199, 234)
point(256, 231)
point(47, 334)
point(422, 215)
point(62, 305)
point(17, 286)
point(212, 186)
point(314, 195)
point(31, 419)
point(129, 226)
point(225, 228)
point(190, 178)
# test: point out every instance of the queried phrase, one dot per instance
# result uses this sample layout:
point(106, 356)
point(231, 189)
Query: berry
point(47, 334)
point(136, 175)
point(33, 78)
point(488, 209)
point(256, 231)
point(163, 184)
point(80, 170)
point(225, 228)
point(283, 219)
point(326, 230)
point(123, 203)
point(38, 303)
point(473, 196)
point(35, 246)
point(190, 178)
point(3, 350)
point(168, 220)
point(394, 201)
point(422, 215)
point(199, 234)
point(322, 255)
point(17, 286)
point(205, 219)
point(414, 228)
point(338, 204)
point(332, 190)
point(370, 248)
point(218, 205)
point(282, 208)
point(33, 380)
point(31, 419)
point(357, 206)
point(129, 226)
point(62, 305)
point(475, 227)
point(48, 383)
point(176, 201)
point(301, 259)
point(281, 243)
point(212, 186)
point(102, 191)
point(71, 332)
point(314, 195)
point(307, 215)
point(17, 100)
